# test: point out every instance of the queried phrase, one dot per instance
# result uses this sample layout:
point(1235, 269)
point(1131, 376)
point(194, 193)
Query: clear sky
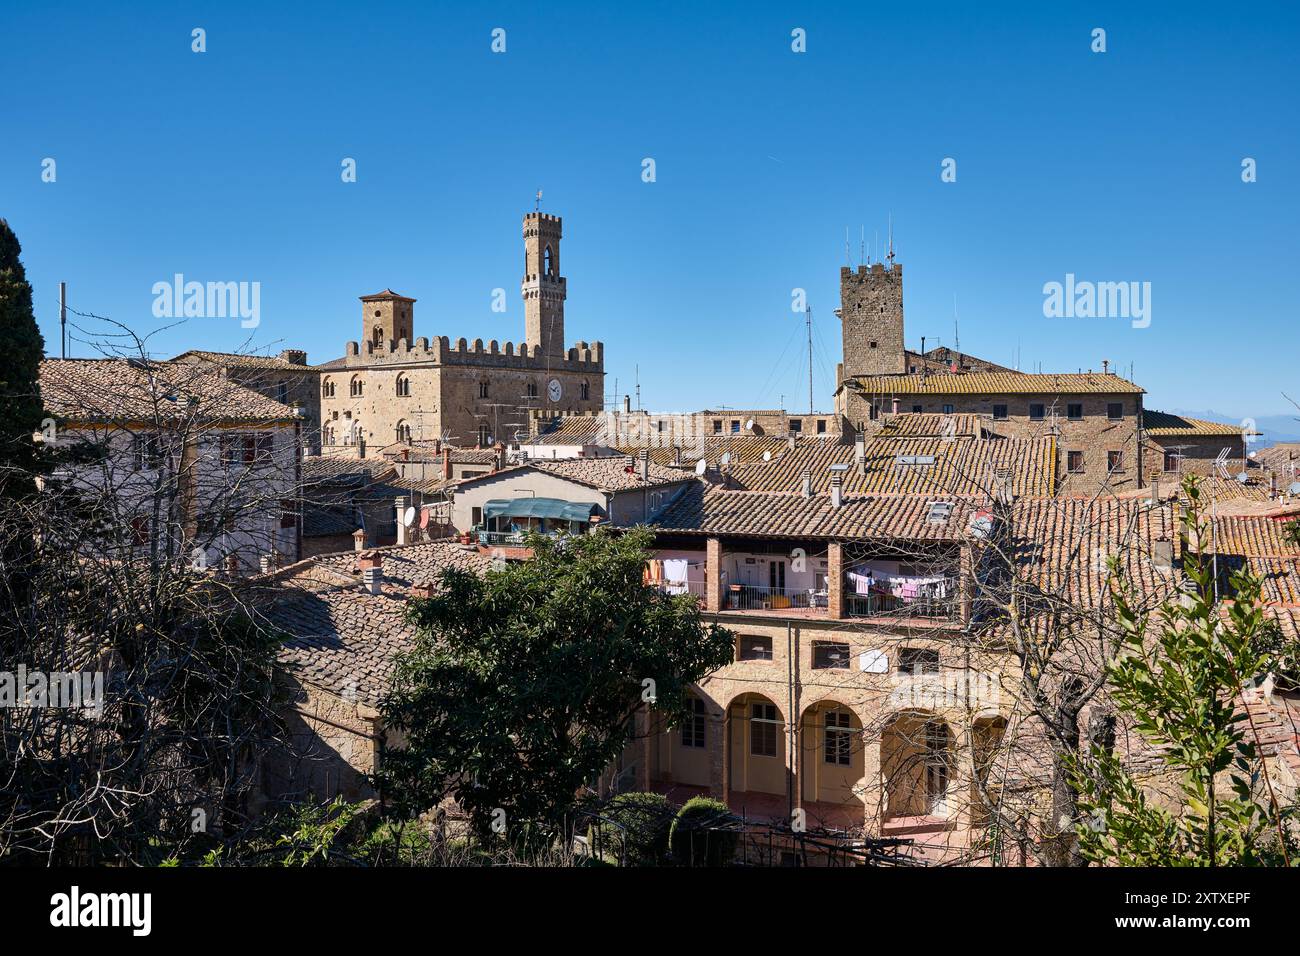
point(1115, 166)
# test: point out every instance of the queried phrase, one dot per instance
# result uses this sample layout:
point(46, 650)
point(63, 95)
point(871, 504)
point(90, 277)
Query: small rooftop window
point(940, 511)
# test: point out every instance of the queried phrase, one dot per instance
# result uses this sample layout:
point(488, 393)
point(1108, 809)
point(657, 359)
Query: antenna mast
point(808, 317)
point(63, 320)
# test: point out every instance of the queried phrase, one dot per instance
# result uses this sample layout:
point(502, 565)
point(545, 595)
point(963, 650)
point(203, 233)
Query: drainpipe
point(791, 721)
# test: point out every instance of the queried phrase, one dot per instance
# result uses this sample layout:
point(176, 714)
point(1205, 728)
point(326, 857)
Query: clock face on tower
point(553, 389)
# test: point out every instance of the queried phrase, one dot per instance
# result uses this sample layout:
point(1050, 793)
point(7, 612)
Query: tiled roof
point(1279, 455)
point(574, 430)
point(1250, 535)
point(996, 383)
point(1062, 545)
point(1217, 488)
point(431, 450)
point(386, 294)
point(240, 360)
point(703, 509)
point(603, 474)
point(345, 469)
point(1158, 424)
point(121, 390)
point(960, 466)
point(923, 425)
point(342, 638)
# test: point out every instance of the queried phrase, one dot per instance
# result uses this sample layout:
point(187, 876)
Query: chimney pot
point(807, 483)
point(837, 491)
point(373, 578)
point(359, 540)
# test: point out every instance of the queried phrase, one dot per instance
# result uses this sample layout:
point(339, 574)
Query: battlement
point(872, 272)
point(584, 356)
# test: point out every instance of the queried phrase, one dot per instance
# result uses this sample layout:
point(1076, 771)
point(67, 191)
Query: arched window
point(403, 431)
point(403, 386)
point(482, 389)
point(585, 391)
point(377, 336)
point(357, 386)
point(327, 435)
point(532, 389)
point(549, 263)
point(327, 388)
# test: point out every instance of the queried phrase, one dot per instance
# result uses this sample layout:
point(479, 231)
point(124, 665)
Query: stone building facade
point(1094, 417)
point(391, 387)
point(285, 378)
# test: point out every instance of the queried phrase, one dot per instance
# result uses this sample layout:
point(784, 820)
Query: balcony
point(750, 597)
point(932, 598)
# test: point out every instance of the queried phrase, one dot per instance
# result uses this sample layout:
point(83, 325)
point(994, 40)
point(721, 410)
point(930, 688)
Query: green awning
point(552, 508)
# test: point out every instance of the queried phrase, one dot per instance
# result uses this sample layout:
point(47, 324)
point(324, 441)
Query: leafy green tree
point(1180, 681)
point(524, 683)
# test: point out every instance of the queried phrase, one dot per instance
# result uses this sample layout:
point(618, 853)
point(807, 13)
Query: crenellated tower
point(543, 287)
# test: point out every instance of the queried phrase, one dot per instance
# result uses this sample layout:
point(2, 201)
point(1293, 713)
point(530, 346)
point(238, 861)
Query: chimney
point(498, 456)
point(643, 465)
point(677, 454)
point(807, 482)
point(1162, 555)
point(268, 561)
point(895, 405)
point(232, 565)
point(359, 540)
point(402, 530)
point(372, 571)
point(423, 591)
point(860, 453)
point(361, 446)
point(837, 490)
point(792, 440)
point(627, 404)
point(1105, 366)
point(1272, 484)
point(446, 464)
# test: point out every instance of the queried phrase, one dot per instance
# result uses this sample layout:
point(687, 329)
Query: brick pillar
point(719, 777)
point(835, 580)
point(713, 575)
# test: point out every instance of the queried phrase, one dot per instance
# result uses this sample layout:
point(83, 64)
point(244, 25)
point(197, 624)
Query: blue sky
point(1122, 166)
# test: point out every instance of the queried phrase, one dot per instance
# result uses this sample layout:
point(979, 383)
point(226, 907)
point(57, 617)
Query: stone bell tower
point(386, 317)
point(543, 287)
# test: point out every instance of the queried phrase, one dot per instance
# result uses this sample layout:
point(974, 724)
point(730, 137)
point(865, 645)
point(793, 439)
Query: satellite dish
point(1294, 489)
point(767, 456)
point(701, 466)
point(726, 459)
point(1253, 454)
point(749, 425)
point(1242, 477)
point(408, 517)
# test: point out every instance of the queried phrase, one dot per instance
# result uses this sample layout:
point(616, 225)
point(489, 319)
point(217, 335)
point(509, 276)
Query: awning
point(552, 508)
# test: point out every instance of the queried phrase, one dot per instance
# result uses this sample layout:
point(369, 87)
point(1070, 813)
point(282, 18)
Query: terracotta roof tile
point(996, 383)
point(121, 390)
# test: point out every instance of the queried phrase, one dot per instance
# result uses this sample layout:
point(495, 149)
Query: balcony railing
point(499, 538)
point(695, 588)
point(939, 603)
point(748, 597)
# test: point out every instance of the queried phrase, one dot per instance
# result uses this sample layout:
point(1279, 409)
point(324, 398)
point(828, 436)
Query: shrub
point(637, 831)
point(698, 836)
